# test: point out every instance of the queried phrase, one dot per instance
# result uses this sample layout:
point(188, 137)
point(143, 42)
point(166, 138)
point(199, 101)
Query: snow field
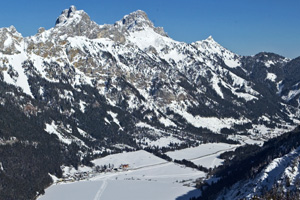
point(135, 159)
point(116, 189)
point(212, 123)
point(148, 177)
point(205, 154)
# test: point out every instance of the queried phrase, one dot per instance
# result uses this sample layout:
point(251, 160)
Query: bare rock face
point(66, 14)
point(111, 32)
point(10, 41)
point(73, 22)
point(41, 30)
point(138, 21)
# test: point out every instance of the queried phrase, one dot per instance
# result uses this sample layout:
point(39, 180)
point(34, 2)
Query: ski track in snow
point(212, 154)
point(101, 190)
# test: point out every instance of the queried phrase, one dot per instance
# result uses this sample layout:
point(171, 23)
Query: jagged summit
point(73, 22)
point(66, 14)
point(138, 21)
point(10, 40)
point(11, 30)
point(73, 17)
point(210, 38)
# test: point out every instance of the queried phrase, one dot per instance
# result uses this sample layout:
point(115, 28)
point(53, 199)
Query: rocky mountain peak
point(208, 41)
point(10, 40)
point(210, 38)
point(138, 21)
point(75, 22)
point(11, 30)
point(208, 44)
point(65, 15)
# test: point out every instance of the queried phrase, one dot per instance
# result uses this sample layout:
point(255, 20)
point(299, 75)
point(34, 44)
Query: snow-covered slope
point(281, 174)
point(205, 154)
point(147, 177)
point(134, 63)
point(100, 89)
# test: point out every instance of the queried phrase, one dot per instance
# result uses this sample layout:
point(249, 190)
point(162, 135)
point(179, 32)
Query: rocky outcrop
point(10, 41)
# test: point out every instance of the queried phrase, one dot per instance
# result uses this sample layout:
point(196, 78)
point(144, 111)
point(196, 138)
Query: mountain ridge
point(96, 88)
point(207, 53)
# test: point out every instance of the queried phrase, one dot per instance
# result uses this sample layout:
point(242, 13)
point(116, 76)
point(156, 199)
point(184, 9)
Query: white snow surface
point(8, 42)
point(134, 159)
point(21, 81)
point(82, 105)
point(292, 94)
point(167, 122)
point(115, 119)
point(210, 46)
point(163, 141)
point(276, 172)
point(148, 178)
point(271, 76)
point(215, 84)
point(243, 139)
point(269, 63)
point(212, 123)
point(144, 125)
point(205, 154)
point(52, 129)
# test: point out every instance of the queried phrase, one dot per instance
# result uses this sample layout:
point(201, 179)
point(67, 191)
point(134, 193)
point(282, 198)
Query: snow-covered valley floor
point(147, 176)
point(205, 154)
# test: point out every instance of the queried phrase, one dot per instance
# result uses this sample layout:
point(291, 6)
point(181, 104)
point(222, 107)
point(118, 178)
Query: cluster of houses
point(110, 168)
point(84, 175)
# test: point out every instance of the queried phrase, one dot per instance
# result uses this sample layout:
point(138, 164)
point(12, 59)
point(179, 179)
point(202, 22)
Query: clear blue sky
point(245, 27)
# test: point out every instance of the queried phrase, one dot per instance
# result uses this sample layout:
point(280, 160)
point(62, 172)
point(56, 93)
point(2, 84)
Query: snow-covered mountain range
point(96, 89)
